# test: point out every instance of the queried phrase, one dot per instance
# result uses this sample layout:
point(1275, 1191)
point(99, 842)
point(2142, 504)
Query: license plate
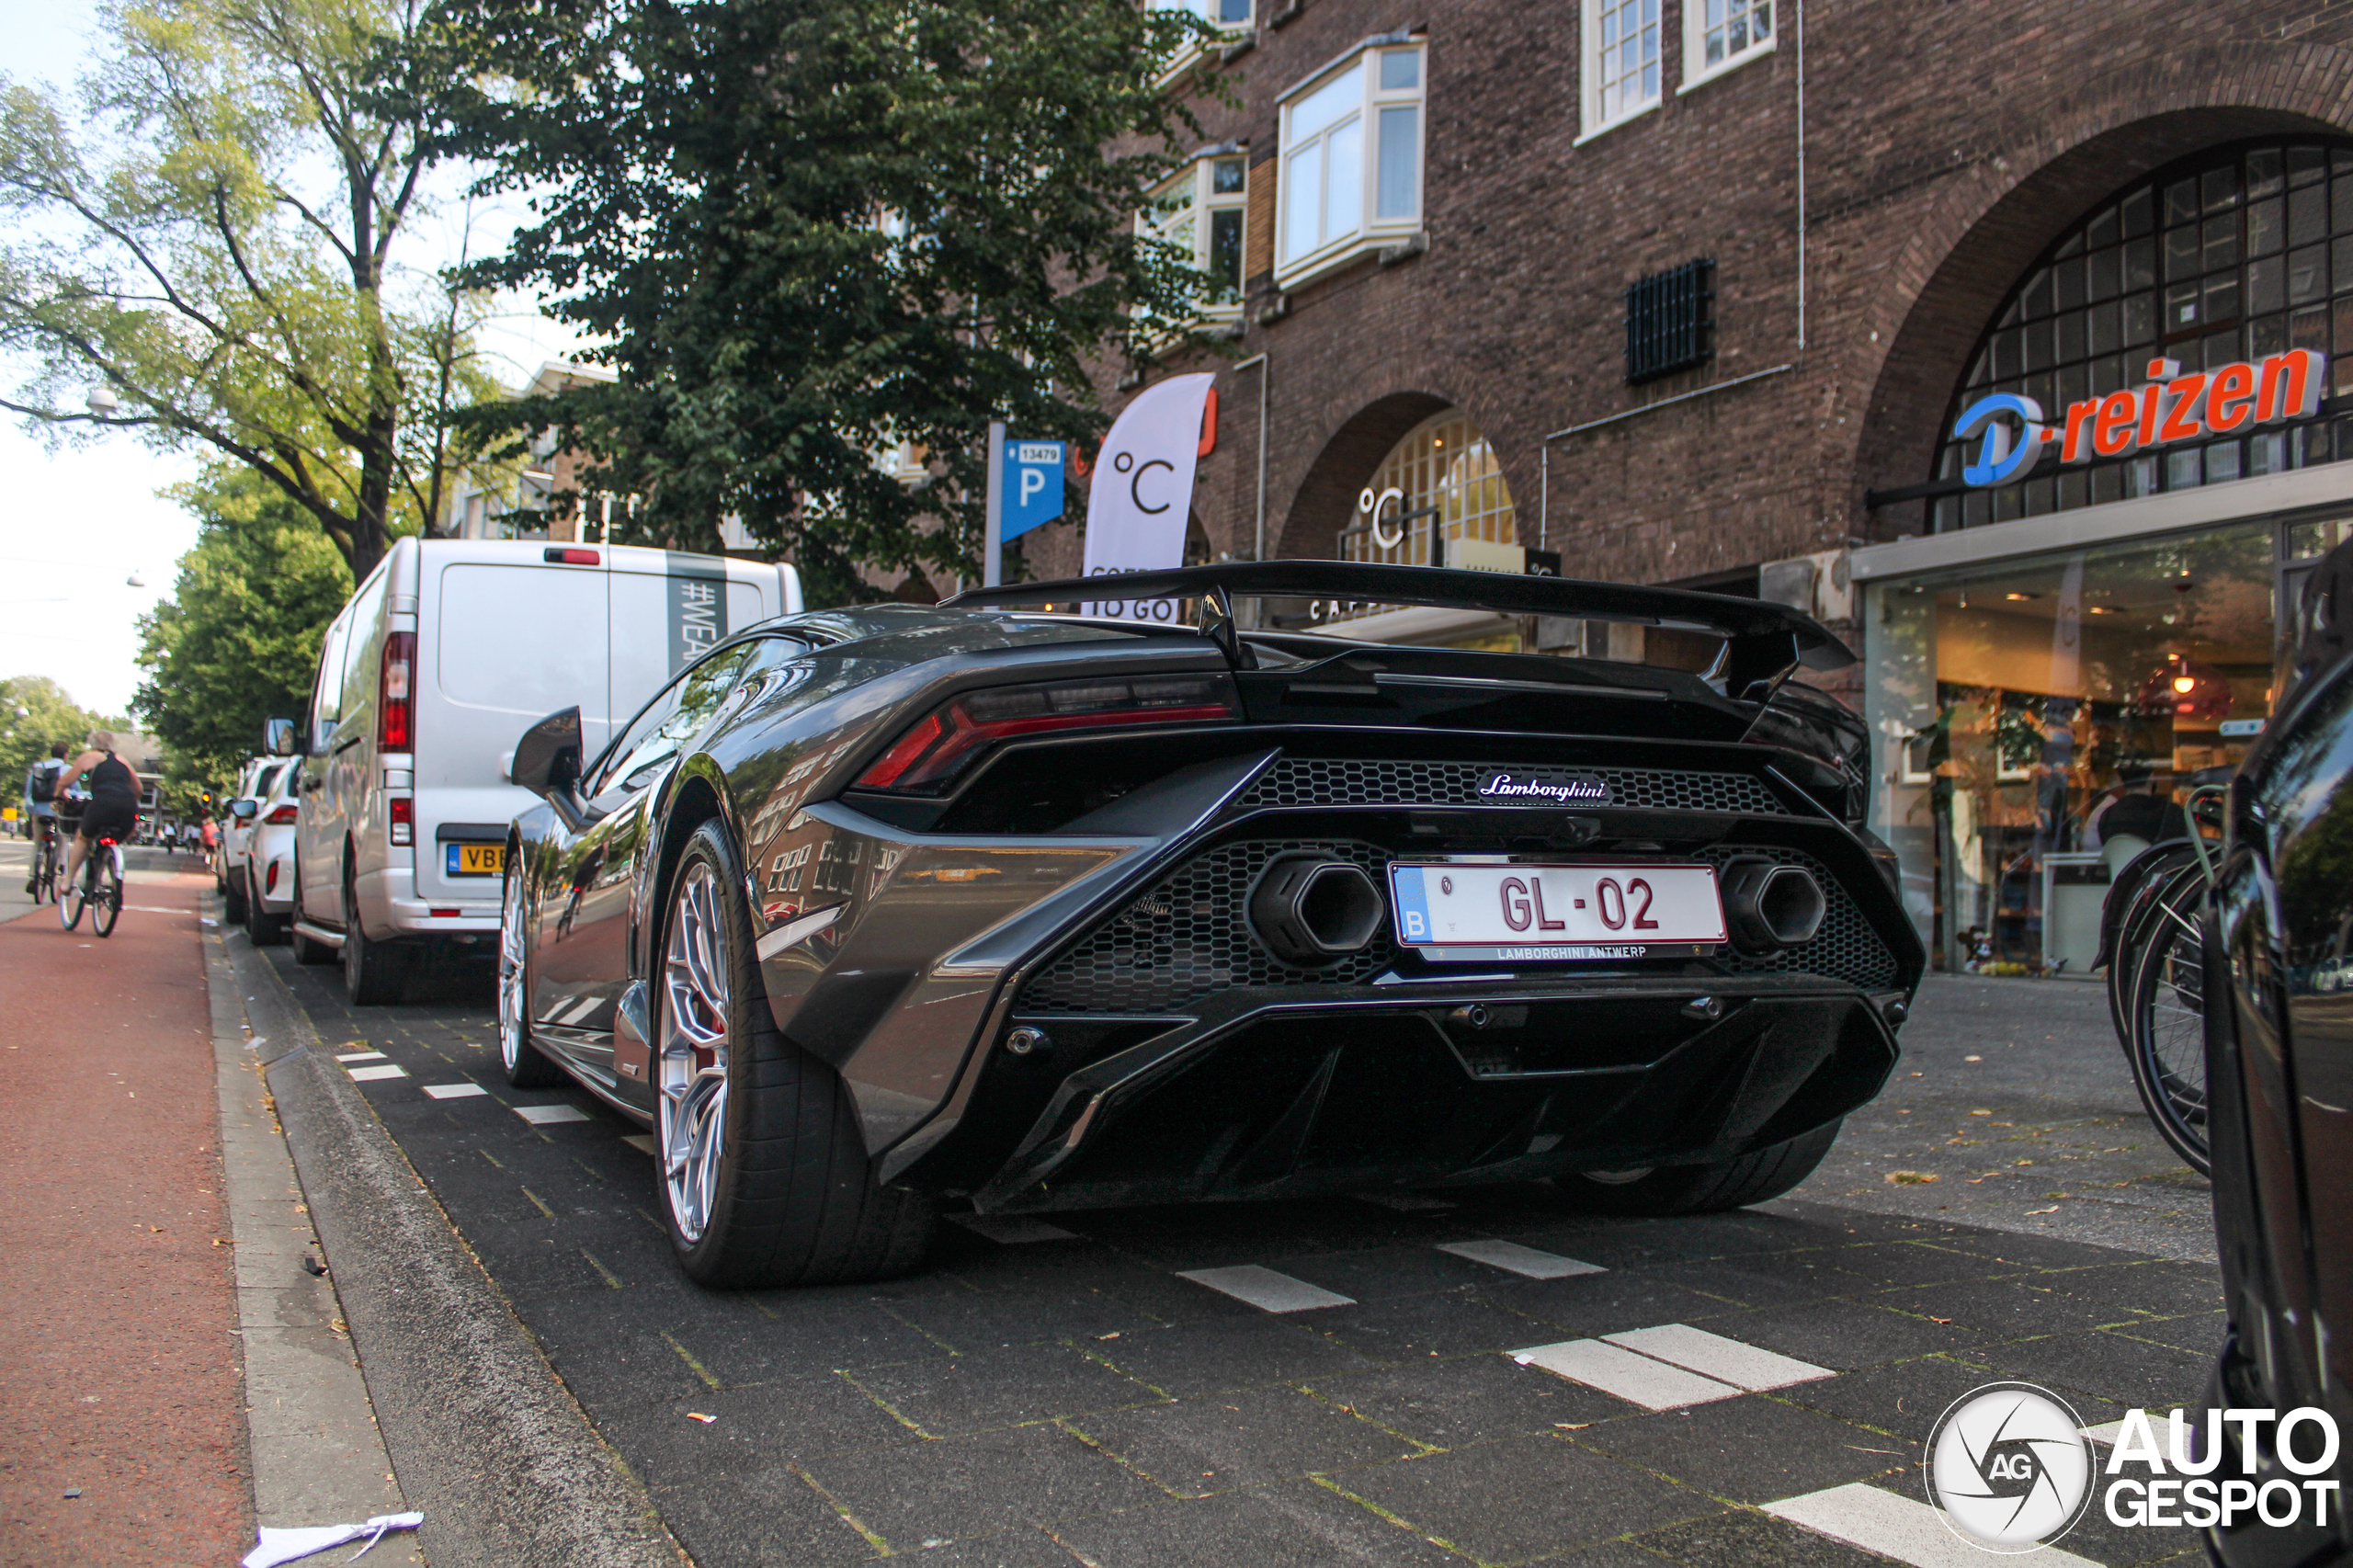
point(477, 860)
point(1492, 912)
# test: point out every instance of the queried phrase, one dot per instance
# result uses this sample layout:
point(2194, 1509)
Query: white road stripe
point(1405, 1202)
point(2104, 1434)
point(1714, 1355)
point(1638, 1379)
point(1518, 1259)
point(371, 1074)
point(1264, 1288)
point(454, 1091)
point(543, 1115)
point(361, 1056)
point(1013, 1229)
point(1881, 1521)
point(641, 1141)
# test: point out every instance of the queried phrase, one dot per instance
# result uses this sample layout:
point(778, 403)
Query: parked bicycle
point(2156, 996)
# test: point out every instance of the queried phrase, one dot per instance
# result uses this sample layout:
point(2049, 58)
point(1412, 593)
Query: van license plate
point(477, 860)
point(1504, 912)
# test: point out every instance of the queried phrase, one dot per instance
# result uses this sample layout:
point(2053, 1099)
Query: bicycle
point(44, 877)
point(2156, 981)
point(100, 893)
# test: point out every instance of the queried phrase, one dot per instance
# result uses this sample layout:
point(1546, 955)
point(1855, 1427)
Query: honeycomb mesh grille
point(1343, 781)
point(1845, 947)
point(1189, 936)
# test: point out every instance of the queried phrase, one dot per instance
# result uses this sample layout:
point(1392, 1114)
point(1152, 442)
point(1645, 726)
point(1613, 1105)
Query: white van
point(448, 651)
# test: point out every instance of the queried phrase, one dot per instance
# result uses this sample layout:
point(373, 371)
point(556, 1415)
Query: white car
point(258, 852)
point(233, 827)
point(448, 651)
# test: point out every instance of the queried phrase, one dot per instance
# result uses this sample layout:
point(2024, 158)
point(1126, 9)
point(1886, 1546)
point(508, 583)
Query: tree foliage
point(226, 270)
point(807, 231)
point(35, 713)
point(237, 641)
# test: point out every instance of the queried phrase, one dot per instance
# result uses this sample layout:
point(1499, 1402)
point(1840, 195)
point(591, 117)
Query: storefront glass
point(2065, 705)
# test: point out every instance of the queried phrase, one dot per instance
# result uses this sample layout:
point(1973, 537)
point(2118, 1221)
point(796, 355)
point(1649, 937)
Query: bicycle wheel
point(71, 896)
point(44, 871)
point(105, 900)
point(2168, 1045)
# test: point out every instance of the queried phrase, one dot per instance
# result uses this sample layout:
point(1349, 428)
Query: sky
point(87, 544)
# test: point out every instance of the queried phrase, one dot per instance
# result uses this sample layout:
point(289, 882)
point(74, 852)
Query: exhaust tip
point(1770, 905)
point(1311, 911)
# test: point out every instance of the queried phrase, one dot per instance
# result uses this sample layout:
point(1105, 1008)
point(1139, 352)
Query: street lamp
point(103, 402)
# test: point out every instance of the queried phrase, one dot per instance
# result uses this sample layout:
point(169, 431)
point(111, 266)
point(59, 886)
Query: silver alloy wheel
point(697, 992)
point(510, 973)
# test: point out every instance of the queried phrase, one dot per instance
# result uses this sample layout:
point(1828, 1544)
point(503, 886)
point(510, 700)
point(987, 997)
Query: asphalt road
point(1335, 1383)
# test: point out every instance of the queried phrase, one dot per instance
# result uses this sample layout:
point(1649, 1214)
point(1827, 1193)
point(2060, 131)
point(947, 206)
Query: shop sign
point(2173, 406)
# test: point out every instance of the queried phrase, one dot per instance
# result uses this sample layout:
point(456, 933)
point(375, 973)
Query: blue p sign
point(1033, 485)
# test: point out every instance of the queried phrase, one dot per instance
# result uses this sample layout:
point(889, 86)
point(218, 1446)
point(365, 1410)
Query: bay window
point(1200, 213)
point(1352, 160)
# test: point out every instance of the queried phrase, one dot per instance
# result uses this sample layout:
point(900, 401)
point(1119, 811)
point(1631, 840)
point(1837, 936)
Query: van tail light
point(395, 706)
point(281, 817)
point(950, 738)
point(403, 819)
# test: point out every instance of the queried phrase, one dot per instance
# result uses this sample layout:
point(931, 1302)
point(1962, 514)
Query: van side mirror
point(282, 737)
point(547, 759)
point(245, 810)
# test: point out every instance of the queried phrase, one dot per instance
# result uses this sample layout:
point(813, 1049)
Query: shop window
point(1721, 34)
point(1622, 60)
point(2233, 254)
point(1200, 214)
point(1352, 161)
point(1438, 485)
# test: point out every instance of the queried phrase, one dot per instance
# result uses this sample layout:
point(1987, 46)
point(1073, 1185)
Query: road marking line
point(642, 1143)
point(370, 1075)
point(1893, 1526)
point(1403, 1202)
point(454, 1091)
point(1264, 1288)
point(1714, 1355)
point(1516, 1259)
point(2105, 1433)
point(544, 1115)
point(1638, 1379)
point(1011, 1230)
point(361, 1056)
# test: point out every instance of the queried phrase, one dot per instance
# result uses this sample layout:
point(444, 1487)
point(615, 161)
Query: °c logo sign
point(2008, 1468)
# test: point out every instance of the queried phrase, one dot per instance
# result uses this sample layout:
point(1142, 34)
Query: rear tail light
point(395, 712)
point(556, 556)
point(947, 741)
point(403, 819)
point(269, 882)
point(281, 817)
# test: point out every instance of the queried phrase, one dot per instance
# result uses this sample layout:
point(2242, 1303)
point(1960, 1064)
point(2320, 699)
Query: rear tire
point(526, 1068)
point(375, 974)
point(106, 905)
point(307, 950)
point(263, 929)
point(1701, 1190)
point(235, 908)
point(762, 1164)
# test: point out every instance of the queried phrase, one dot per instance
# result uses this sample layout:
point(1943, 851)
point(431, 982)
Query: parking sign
point(1033, 485)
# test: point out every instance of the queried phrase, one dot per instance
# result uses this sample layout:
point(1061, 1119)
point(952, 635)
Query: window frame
point(1373, 230)
point(1589, 72)
point(1202, 201)
point(1223, 33)
point(1697, 71)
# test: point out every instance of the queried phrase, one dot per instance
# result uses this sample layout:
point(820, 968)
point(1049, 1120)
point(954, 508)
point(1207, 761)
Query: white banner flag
point(1142, 494)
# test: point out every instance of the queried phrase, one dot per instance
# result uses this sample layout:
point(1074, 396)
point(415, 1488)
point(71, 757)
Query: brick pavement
point(116, 1350)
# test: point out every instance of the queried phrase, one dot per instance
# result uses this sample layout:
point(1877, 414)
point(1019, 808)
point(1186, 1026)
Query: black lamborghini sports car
point(880, 907)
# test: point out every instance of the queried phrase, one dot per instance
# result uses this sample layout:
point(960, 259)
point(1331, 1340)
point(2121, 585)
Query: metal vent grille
point(1336, 781)
point(1666, 321)
point(1845, 947)
point(1189, 936)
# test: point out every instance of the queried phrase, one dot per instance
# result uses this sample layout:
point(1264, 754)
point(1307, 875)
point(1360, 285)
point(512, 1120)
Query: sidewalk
point(116, 1349)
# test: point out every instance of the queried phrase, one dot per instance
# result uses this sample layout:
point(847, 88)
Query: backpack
point(42, 785)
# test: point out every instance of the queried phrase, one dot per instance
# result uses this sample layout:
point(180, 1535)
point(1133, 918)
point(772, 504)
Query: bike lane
point(118, 1346)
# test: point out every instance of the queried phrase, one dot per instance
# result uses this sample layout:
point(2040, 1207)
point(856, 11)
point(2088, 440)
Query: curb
point(487, 1441)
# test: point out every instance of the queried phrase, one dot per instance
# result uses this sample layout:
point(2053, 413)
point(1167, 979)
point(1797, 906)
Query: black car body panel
point(1040, 979)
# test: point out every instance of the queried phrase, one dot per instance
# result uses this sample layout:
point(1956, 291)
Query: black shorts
point(102, 821)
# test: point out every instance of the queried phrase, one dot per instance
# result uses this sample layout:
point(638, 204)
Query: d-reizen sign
point(2174, 405)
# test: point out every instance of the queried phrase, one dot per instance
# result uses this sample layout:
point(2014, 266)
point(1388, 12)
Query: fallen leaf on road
point(1571, 1426)
point(699, 1416)
point(1980, 1113)
point(1112, 1336)
point(2053, 1209)
point(1964, 1059)
point(1858, 1446)
point(1941, 1319)
point(1910, 1178)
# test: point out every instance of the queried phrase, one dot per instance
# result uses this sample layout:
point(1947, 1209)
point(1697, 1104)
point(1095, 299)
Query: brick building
point(1432, 220)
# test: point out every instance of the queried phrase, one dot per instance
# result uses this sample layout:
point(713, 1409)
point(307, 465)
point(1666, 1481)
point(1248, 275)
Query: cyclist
point(114, 799)
point(41, 804)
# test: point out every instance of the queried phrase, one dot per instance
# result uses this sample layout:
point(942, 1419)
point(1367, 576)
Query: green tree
point(35, 713)
point(805, 231)
point(225, 278)
point(238, 641)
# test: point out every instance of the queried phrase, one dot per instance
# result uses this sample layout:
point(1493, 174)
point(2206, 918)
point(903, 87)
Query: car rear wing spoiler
point(1762, 640)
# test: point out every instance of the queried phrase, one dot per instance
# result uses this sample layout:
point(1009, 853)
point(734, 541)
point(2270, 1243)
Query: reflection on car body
point(877, 908)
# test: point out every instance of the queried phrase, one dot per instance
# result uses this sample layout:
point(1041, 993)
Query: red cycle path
point(118, 1371)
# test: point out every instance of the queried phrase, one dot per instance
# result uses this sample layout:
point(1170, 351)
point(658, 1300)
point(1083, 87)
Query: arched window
point(2235, 253)
point(1441, 481)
